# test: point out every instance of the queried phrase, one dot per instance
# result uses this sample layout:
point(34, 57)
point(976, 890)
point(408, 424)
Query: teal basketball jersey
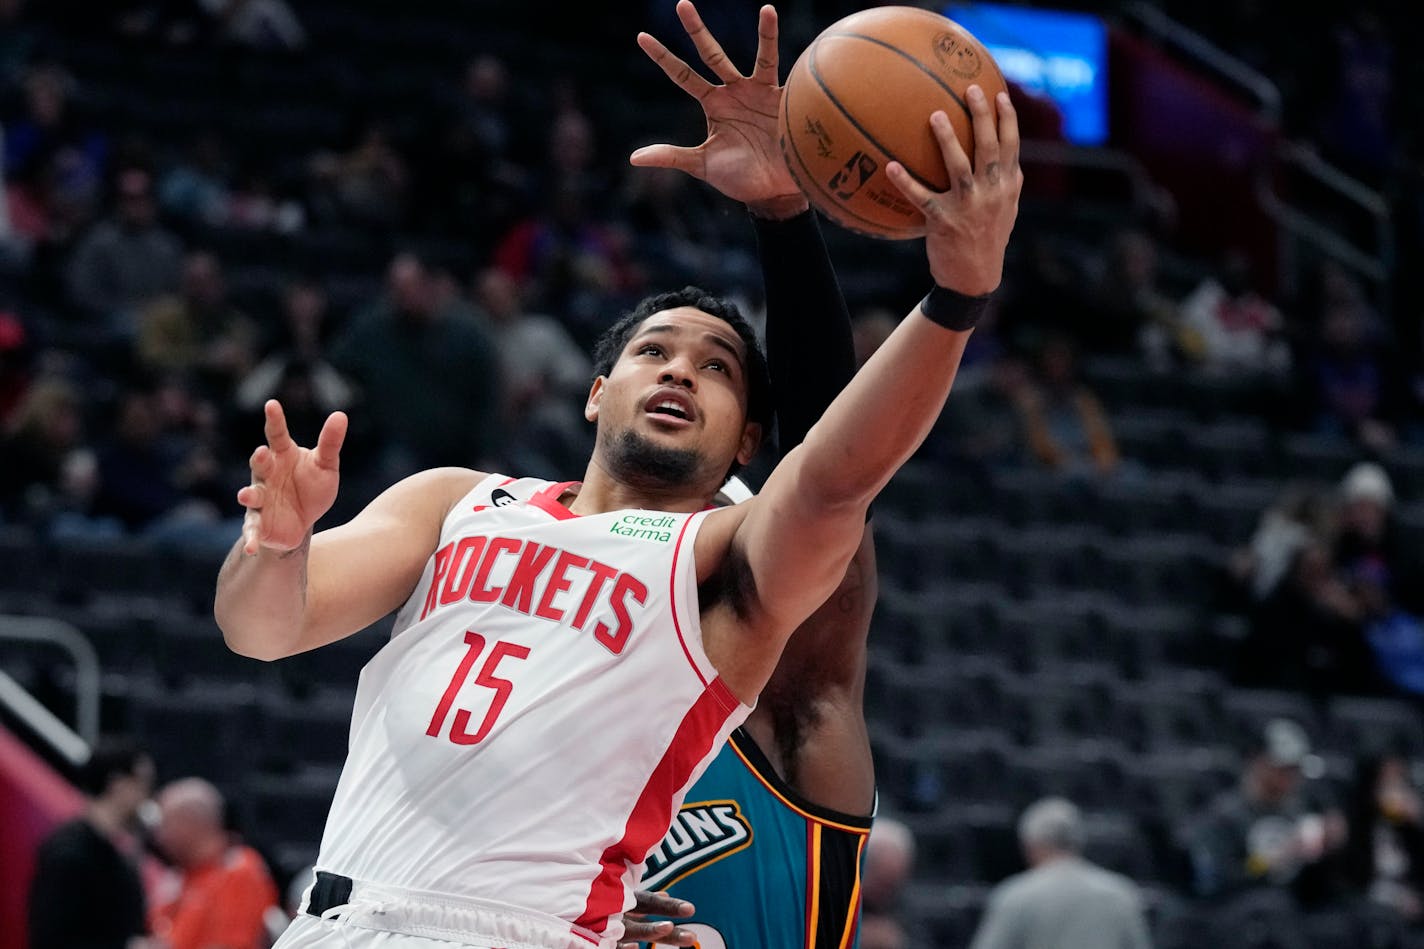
point(765, 868)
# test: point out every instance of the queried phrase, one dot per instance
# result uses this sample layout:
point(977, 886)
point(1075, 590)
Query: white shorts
point(383, 917)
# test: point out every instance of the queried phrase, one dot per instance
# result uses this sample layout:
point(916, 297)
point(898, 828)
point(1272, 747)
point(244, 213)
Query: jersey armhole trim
point(757, 763)
point(679, 605)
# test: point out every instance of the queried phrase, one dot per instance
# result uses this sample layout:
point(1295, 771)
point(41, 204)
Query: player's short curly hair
point(611, 343)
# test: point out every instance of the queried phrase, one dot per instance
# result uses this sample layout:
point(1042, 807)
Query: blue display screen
point(1053, 53)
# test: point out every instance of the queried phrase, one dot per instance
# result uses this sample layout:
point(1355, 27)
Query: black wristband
point(954, 310)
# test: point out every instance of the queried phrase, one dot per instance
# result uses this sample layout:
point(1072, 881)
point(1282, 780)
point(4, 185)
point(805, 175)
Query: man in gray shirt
point(1062, 901)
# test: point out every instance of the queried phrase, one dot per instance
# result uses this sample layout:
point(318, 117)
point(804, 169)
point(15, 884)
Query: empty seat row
point(946, 772)
point(944, 626)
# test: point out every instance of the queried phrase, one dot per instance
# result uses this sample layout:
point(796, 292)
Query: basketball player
point(778, 822)
point(567, 658)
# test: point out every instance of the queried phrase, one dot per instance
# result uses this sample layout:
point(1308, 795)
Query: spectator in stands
point(197, 333)
point(126, 260)
point(571, 157)
point(1262, 852)
point(1308, 633)
point(889, 865)
point(679, 232)
point(1062, 900)
point(221, 890)
point(1349, 375)
point(882, 932)
point(17, 363)
point(195, 188)
point(175, 22)
point(1238, 329)
point(1302, 512)
point(49, 127)
point(49, 478)
point(1128, 309)
point(468, 178)
point(296, 369)
point(1045, 290)
point(258, 24)
point(17, 42)
point(49, 210)
point(983, 424)
point(1383, 575)
point(1064, 422)
point(48, 470)
point(1385, 854)
point(484, 108)
point(1368, 539)
point(544, 377)
point(159, 471)
point(428, 374)
point(1357, 128)
point(1305, 619)
point(87, 892)
point(576, 266)
point(365, 184)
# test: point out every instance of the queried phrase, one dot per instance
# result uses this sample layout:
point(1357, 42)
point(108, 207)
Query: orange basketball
point(861, 96)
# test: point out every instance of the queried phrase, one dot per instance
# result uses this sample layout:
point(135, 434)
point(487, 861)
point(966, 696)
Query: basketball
point(861, 95)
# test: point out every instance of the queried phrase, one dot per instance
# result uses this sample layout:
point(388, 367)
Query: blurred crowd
point(443, 284)
point(136, 349)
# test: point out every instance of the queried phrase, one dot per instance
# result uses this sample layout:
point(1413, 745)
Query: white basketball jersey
point(541, 709)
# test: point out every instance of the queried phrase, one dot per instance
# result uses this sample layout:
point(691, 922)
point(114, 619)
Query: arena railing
point(74, 742)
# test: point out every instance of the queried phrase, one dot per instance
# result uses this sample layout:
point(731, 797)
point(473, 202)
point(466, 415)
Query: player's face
point(680, 387)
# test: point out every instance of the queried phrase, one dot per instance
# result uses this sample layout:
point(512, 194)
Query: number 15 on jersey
point(459, 729)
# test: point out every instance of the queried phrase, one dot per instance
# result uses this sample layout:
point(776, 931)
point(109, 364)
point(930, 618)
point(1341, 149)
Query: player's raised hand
point(291, 486)
point(637, 929)
point(969, 225)
point(741, 156)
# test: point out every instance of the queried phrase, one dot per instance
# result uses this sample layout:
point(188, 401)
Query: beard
point(637, 461)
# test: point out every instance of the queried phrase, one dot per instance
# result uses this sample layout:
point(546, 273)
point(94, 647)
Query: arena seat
point(1372, 725)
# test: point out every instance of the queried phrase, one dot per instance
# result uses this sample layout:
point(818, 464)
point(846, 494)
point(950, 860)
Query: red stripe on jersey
point(672, 587)
point(691, 744)
point(548, 500)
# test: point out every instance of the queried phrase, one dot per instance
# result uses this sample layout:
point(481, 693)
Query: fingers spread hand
point(276, 426)
point(251, 532)
point(707, 46)
point(767, 56)
point(328, 443)
point(252, 497)
point(683, 75)
point(687, 160)
point(261, 463)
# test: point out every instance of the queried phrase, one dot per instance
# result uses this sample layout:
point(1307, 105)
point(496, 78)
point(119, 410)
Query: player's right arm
point(771, 561)
point(284, 590)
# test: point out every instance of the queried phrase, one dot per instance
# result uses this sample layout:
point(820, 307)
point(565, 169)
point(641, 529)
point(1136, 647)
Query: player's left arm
point(811, 356)
point(815, 698)
point(776, 558)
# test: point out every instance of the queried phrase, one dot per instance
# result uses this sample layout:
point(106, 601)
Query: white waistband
point(474, 922)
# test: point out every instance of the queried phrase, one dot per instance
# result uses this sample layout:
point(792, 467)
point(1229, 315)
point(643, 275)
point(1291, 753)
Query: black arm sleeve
point(809, 348)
